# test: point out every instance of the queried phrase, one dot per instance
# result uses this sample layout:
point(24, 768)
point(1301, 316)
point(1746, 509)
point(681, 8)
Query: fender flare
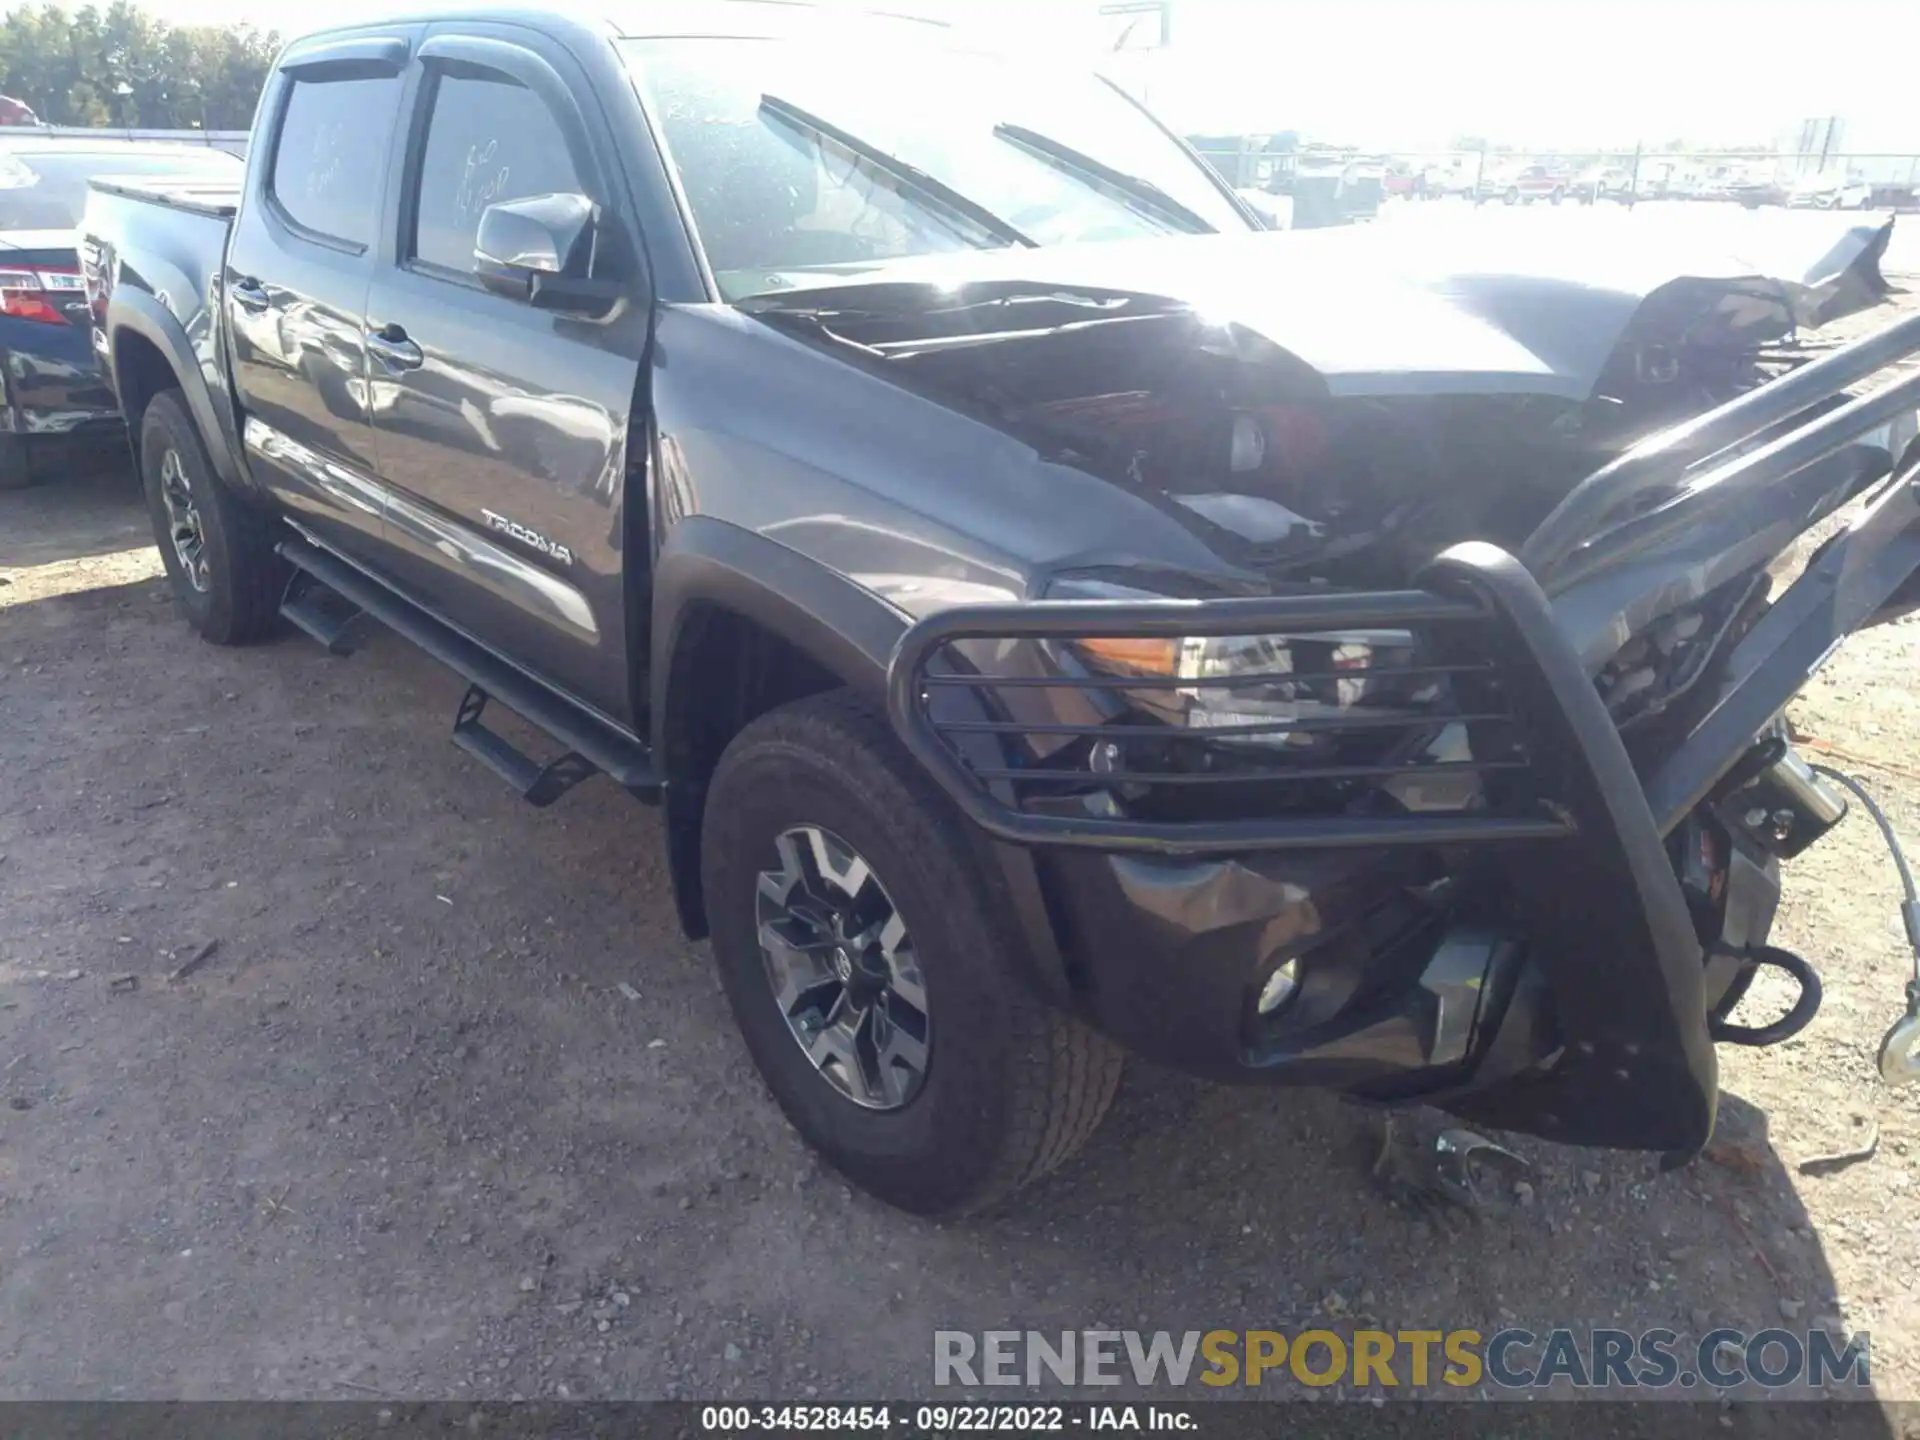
point(849, 630)
point(851, 633)
point(140, 313)
point(705, 563)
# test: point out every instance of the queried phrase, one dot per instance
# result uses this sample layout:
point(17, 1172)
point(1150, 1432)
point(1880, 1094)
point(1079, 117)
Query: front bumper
point(1532, 964)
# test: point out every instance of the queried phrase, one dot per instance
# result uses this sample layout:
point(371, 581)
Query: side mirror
point(538, 250)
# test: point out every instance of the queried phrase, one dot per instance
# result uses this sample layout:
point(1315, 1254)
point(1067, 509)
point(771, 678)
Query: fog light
point(1280, 988)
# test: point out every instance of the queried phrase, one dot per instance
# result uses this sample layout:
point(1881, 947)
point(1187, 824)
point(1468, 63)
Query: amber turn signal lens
point(1133, 655)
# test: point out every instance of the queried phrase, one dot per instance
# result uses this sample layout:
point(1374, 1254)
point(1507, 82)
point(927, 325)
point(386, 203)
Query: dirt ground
point(404, 1134)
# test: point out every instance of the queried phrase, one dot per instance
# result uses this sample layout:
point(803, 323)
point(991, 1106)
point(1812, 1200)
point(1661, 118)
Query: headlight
point(1265, 689)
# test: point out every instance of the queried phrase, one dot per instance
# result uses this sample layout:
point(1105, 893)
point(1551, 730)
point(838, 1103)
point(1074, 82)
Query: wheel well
point(727, 671)
point(141, 372)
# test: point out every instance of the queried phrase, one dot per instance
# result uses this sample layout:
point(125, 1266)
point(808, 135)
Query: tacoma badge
point(528, 537)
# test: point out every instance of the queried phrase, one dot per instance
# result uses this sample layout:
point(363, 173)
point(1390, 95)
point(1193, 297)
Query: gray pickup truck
point(1057, 617)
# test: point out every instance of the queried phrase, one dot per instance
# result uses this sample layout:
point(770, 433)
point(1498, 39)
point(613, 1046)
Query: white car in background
point(1829, 191)
point(1603, 182)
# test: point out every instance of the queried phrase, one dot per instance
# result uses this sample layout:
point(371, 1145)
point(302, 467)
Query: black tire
point(236, 600)
point(1012, 1086)
point(16, 466)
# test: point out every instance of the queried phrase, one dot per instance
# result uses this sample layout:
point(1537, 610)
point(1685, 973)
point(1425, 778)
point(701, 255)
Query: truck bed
point(216, 198)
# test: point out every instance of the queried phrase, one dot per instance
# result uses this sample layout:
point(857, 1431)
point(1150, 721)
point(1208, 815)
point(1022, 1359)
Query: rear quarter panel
point(152, 275)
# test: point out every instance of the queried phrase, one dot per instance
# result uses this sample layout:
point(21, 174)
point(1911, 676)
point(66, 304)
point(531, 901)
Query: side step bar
point(535, 783)
point(592, 744)
point(322, 612)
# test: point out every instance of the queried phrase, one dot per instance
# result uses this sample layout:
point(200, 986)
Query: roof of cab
point(643, 19)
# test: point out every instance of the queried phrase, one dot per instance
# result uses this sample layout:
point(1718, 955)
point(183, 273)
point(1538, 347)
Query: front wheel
point(218, 552)
point(870, 962)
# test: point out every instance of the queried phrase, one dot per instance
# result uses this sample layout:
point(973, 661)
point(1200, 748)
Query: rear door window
point(330, 160)
point(488, 140)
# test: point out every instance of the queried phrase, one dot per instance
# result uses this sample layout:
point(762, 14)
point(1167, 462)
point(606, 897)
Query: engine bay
point(1281, 473)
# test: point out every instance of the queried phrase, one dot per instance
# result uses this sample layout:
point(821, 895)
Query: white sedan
point(1830, 192)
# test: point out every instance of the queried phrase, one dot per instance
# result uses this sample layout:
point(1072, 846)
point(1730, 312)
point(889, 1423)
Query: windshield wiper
point(910, 182)
point(1143, 197)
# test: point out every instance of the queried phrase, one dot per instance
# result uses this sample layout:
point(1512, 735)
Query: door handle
point(249, 294)
point(391, 347)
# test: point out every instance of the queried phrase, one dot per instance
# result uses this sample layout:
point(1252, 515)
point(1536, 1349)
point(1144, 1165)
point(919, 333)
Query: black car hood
point(1399, 308)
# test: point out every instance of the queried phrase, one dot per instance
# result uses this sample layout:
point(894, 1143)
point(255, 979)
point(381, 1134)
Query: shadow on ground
point(92, 507)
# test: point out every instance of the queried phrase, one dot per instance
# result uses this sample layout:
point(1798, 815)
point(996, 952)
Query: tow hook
point(1900, 1050)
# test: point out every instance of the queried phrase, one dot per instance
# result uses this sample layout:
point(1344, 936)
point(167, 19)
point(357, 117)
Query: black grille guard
point(1576, 832)
point(1586, 866)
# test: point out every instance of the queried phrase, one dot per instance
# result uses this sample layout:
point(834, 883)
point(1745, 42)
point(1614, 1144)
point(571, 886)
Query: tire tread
point(255, 577)
point(1064, 1075)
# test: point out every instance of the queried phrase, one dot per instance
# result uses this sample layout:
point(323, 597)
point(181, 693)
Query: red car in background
point(16, 112)
point(1528, 183)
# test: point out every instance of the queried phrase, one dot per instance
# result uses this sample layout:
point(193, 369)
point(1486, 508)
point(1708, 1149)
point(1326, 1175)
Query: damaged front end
point(1462, 779)
point(1335, 416)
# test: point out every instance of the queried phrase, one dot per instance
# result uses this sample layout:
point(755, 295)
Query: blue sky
point(1400, 72)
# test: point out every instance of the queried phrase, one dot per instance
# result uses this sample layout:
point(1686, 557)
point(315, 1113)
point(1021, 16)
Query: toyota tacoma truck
point(1056, 617)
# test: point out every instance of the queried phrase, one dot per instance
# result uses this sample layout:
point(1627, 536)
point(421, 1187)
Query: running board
point(535, 783)
point(322, 612)
point(592, 744)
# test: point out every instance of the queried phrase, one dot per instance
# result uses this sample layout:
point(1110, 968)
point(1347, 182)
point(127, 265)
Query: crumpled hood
point(1486, 304)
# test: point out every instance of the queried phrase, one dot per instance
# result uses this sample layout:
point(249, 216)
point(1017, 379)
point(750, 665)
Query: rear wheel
point(870, 964)
point(218, 551)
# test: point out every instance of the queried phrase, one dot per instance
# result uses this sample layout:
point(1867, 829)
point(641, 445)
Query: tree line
point(121, 66)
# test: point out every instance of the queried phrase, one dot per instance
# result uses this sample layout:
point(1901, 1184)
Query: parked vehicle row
point(1654, 178)
point(1745, 185)
point(1253, 163)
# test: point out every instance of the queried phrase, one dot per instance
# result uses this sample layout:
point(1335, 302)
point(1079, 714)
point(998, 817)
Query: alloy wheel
point(842, 969)
point(183, 520)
